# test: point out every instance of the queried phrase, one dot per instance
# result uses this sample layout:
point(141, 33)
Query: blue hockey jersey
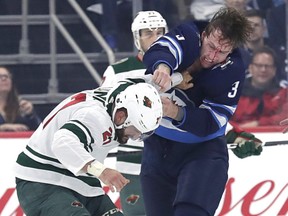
point(211, 102)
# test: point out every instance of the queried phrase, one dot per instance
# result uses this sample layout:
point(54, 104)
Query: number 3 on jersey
point(234, 90)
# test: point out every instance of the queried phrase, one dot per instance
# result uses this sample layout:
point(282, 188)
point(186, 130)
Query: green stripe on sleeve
point(87, 130)
point(26, 161)
point(41, 155)
point(79, 133)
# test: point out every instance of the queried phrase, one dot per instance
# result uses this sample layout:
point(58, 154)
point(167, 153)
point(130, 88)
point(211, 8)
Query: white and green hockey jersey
point(130, 67)
point(77, 131)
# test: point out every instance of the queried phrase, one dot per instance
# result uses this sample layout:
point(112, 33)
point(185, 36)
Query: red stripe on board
point(24, 134)
point(265, 129)
point(262, 129)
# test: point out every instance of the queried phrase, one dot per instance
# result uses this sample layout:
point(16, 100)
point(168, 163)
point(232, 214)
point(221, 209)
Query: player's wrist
point(180, 114)
point(164, 67)
point(96, 168)
point(177, 78)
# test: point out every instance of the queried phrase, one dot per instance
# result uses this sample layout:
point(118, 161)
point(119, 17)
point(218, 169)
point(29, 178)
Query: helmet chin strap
point(119, 126)
point(122, 126)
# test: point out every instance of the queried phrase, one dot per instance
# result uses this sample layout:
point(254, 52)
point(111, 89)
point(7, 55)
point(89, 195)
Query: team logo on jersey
point(147, 102)
point(107, 136)
point(132, 199)
point(77, 204)
point(178, 97)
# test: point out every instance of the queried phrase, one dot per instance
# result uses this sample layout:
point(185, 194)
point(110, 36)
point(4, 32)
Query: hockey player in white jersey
point(59, 171)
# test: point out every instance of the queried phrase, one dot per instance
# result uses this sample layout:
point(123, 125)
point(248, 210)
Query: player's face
point(214, 49)
point(126, 133)
point(149, 36)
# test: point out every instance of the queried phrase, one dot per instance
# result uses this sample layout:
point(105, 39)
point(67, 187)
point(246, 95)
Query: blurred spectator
point(115, 18)
point(265, 4)
point(168, 8)
point(264, 99)
point(276, 23)
point(241, 5)
point(109, 22)
point(108, 11)
point(259, 28)
point(205, 9)
point(15, 114)
point(183, 10)
point(258, 37)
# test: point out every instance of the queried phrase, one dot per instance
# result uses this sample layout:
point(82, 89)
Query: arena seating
point(29, 59)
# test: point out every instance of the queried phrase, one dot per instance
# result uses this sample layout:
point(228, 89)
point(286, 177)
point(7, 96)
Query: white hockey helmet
point(143, 105)
point(146, 20)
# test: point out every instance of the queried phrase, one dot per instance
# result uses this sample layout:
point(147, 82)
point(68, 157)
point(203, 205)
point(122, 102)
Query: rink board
point(257, 185)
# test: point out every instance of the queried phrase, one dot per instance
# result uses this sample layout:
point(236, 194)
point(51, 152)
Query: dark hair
point(11, 108)
point(234, 26)
point(265, 49)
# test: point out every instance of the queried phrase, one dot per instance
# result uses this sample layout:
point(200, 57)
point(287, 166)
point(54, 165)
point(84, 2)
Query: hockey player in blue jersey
point(185, 163)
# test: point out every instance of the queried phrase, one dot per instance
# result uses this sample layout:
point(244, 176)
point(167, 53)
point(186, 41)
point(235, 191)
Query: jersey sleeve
point(179, 48)
point(208, 120)
point(74, 143)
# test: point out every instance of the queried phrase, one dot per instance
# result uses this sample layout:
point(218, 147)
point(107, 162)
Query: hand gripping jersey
point(77, 131)
point(213, 99)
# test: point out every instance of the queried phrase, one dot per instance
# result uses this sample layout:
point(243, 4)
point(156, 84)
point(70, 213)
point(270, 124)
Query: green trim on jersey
point(130, 158)
point(100, 95)
point(26, 161)
point(128, 64)
point(74, 128)
point(42, 156)
point(87, 130)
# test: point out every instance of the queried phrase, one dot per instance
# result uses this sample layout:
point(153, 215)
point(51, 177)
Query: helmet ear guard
point(146, 20)
point(143, 105)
